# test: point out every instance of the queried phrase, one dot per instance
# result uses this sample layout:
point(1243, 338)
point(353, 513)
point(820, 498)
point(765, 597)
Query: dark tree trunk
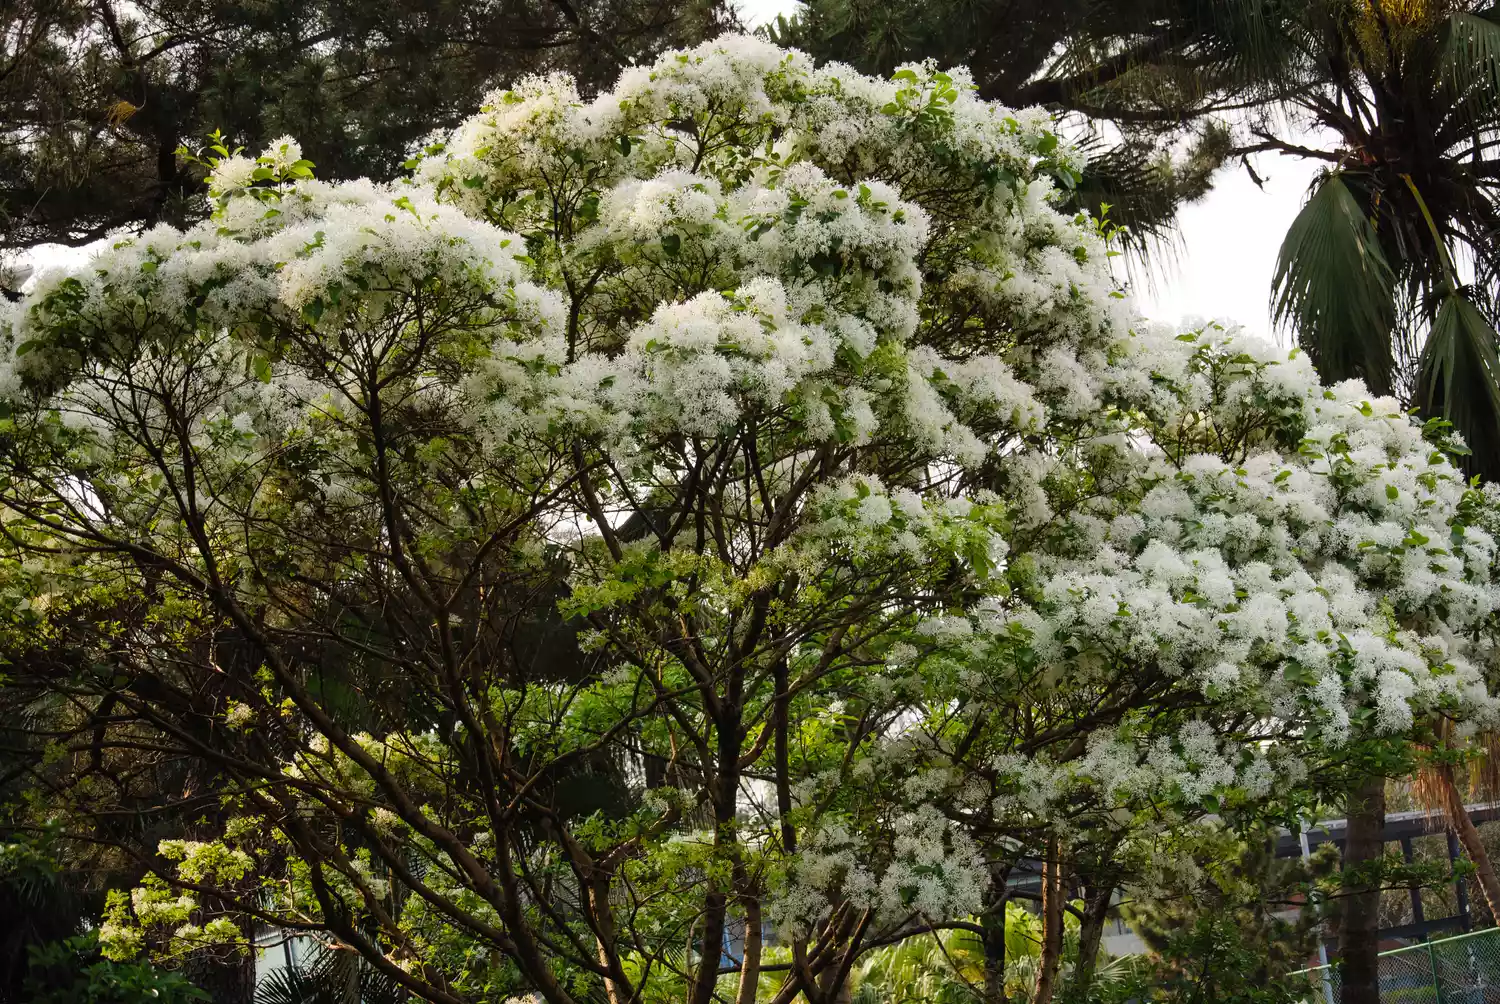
point(1359, 934)
point(750, 961)
point(1052, 925)
point(1090, 934)
point(716, 902)
point(226, 978)
point(993, 922)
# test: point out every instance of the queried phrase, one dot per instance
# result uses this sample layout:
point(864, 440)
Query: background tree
point(72, 971)
point(96, 95)
point(1210, 871)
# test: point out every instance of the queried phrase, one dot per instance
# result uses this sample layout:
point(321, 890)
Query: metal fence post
point(1437, 983)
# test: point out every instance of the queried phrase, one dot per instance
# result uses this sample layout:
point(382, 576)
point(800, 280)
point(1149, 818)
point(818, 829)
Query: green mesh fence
point(1461, 970)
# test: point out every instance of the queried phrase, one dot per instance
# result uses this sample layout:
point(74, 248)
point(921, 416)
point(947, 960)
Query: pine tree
point(97, 95)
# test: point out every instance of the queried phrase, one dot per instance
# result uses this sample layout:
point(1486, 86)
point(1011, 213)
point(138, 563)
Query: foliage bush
point(74, 972)
point(1210, 961)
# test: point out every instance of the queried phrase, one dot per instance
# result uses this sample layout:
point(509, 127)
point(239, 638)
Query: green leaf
point(1457, 379)
point(671, 244)
point(1469, 65)
point(1334, 287)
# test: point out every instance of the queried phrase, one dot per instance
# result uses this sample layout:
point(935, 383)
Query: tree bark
point(604, 939)
point(1090, 934)
point(226, 975)
point(835, 986)
point(227, 979)
point(801, 972)
point(750, 960)
point(993, 922)
point(1052, 925)
point(716, 901)
point(1468, 835)
point(1359, 934)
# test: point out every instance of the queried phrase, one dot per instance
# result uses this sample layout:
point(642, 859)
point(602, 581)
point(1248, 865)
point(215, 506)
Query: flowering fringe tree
point(741, 496)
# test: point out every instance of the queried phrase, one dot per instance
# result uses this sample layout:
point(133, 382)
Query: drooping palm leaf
point(329, 977)
point(1469, 62)
point(1217, 47)
point(1457, 381)
point(1334, 286)
point(291, 986)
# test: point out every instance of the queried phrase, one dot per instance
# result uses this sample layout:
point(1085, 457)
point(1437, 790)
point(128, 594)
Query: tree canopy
point(1389, 272)
point(895, 548)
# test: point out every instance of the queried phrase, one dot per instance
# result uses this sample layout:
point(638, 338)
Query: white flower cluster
point(927, 867)
point(1115, 772)
point(1265, 544)
point(813, 177)
point(815, 228)
point(860, 519)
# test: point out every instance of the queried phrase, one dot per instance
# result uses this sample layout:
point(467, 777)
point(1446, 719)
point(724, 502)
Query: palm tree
point(1442, 786)
point(1390, 271)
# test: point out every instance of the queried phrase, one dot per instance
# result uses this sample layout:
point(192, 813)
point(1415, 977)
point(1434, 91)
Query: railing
point(1460, 970)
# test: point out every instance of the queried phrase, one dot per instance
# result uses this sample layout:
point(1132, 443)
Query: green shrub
point(73, 972)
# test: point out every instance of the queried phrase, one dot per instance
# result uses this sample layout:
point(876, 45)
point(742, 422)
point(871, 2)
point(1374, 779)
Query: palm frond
point(329, 976)
point(1253, 43)
point(1457, 381)
point(1469, 65)
point(1192, 54)
point(1335, 289)
point(1117, 969)
point(290, 986)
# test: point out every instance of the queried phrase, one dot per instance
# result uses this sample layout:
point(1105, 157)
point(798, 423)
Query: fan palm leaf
point(329, 976)
point(1469, 68)
point(1334, 286)
point(1458, 375)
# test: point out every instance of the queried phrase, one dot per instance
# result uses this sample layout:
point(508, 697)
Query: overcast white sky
point(1227, 243)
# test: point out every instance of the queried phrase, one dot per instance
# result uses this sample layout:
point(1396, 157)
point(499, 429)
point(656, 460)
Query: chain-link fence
point(1461, 970)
